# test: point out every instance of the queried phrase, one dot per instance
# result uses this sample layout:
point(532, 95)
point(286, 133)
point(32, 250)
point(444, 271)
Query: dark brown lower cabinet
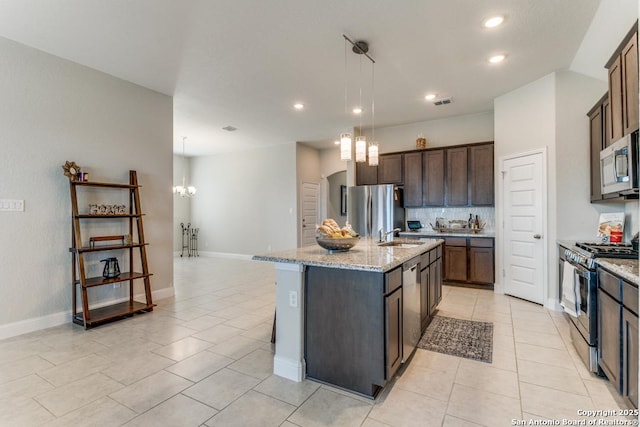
point(430, 284)
point(469, 260)
point(609, 312)
point(455, 259)
point(630, 356)
point(393, 331)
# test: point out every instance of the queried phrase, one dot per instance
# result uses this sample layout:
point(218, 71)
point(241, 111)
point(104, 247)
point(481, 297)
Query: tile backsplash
point(428, 215)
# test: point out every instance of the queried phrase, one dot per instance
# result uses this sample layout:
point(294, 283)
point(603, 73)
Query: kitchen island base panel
point(344, 328)
point(288, 361)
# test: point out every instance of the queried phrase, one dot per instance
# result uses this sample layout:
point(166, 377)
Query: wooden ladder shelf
point(136, 251)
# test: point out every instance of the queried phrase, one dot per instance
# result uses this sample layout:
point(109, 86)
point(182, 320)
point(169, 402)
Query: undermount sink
point(406, 244)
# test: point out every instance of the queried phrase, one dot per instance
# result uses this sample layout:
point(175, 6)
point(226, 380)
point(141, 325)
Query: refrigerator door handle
point(369, 214)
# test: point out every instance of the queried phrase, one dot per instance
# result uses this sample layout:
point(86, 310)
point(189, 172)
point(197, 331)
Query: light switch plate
point(11, 205)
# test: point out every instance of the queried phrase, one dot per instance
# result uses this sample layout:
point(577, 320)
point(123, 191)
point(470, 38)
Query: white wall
point(181, 205)
point(524, 121)
point(442, 132)
point(54, 110)
point(246, 200)
point(551, 113)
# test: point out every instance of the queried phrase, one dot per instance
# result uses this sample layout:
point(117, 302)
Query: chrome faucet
point(382, 237)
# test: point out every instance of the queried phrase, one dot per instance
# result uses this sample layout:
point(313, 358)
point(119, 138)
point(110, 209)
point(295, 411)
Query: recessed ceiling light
point(493, 22)
point(430, 96)
point(298, 106)
point(496, 59)
point(357, 110)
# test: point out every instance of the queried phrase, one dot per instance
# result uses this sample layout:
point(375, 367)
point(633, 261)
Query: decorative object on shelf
point(421, 142)
point(128, 240)
point(93, 240)
point(71, 170)
point(184, 190)
point(111, 268)
point(189, 240)
point(95, 209)
point(361, 48)
point(83, 176)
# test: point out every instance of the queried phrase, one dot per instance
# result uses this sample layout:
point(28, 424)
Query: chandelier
point(184, 190)
point(362, 149)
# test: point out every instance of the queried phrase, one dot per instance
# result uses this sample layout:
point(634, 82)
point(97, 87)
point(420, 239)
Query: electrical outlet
point(293, 299)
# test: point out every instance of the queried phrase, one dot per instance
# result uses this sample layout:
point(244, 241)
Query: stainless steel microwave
point(619, 167)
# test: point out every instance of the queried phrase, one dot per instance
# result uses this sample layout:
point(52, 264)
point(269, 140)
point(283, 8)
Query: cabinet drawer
point(456, 241)
point(425, 260)
point(392, 280)
point(481, 242)
point(609, 283)
point(630, 297)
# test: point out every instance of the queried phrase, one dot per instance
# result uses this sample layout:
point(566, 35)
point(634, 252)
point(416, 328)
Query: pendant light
point(373, 145)
point(360, 48)
point(184, 190)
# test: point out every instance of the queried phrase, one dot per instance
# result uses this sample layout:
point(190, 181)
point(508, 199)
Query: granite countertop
point(425, 232)
point(625, 268)
point(366, 255)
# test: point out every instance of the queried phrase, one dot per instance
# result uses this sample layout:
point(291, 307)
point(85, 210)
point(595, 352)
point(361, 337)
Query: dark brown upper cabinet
point(413, 179)
point(390, 169)
point(623, 88)
point(481, 175)
point(434, 173)
point(365, 174)
point(457, 188)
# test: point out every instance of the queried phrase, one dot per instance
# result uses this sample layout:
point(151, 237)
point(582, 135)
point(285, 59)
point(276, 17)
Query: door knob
point(537, 236)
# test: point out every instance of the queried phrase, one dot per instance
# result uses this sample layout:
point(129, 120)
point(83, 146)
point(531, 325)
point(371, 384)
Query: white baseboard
point(225, 255)
point(56, 319)
point(288, 368)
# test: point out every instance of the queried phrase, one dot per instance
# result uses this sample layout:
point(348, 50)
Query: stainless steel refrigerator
point(371, 208)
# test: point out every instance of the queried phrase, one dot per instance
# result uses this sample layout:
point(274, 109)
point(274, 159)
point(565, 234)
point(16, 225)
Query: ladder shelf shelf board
point(134, 253)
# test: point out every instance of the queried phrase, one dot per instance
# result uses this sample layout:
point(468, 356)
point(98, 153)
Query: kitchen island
point(339, 316)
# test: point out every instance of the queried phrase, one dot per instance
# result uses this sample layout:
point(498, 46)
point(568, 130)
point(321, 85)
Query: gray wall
point(246, 201)
point(52, 111)
point(181, 205)
point(334, 204)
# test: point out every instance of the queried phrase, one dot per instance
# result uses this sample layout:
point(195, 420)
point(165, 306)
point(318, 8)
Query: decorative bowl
point(336, 244)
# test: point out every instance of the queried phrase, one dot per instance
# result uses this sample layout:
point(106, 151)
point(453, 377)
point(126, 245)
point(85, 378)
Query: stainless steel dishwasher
point(410, 306)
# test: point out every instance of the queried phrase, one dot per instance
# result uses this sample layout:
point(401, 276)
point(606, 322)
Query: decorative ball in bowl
point(336, 244)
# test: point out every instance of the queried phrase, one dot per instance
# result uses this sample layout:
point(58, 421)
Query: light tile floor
point(203, 358)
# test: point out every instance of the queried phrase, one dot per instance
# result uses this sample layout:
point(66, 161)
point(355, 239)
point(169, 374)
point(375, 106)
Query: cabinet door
point(433, 172)
point(596, 144)
point(365, 174)
point(457, 182)
point(390, 169)
point(424, 297)
point(393, 332)
point(455, 263)
point(434, 294)
point(606, 123)
point(615, 99)
point(413, 179)
point(481, 265)
point(481, 174)
point(629, 62)
point(630, 356)
point(609, 345)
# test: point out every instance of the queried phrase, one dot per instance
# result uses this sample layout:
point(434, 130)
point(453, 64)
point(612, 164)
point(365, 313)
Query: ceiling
point(244, 63)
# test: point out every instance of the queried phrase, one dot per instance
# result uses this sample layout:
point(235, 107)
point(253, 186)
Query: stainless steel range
point(581, 260)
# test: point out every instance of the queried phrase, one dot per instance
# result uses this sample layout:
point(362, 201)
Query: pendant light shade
point(345, 146)
point(361, 149)
point(373, 154)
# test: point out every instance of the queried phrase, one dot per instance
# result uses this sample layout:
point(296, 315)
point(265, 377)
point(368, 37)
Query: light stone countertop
point(424, 232)
point(624, 268)
point(366, 255)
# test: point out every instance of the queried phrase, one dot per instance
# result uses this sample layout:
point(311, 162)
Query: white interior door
point(524, 226)
point(309, 213)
